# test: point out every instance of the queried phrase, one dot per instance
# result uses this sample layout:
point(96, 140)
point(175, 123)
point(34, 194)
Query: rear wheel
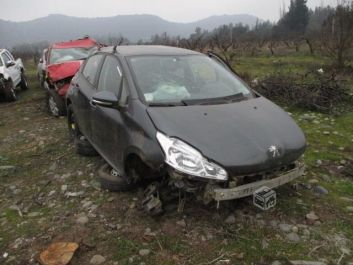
point(82, 145)
point(24, 83)
point(56, 104)
point(10, 92)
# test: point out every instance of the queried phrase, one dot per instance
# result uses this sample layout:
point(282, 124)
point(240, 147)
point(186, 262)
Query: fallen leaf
point(59, 253)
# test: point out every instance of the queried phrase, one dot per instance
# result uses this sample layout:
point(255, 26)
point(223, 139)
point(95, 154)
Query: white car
point(12, 75)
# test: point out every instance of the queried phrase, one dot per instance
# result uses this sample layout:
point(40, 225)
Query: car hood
point(63, 70)
point(237, 136)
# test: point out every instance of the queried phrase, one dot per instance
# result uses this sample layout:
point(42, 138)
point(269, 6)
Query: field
point(48, 194)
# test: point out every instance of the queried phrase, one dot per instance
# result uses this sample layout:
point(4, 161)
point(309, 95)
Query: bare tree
point(337, 34)
point(313, 31)
point(28, 51)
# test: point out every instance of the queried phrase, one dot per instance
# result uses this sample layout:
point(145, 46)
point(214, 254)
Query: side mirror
point(10, 63)
point(105, 99)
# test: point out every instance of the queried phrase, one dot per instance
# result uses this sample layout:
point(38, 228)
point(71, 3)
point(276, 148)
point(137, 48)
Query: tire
point(24, 83)
point(56, 104)
point(10, 93)
point(41, 80)
point(82, 145)
point(112, 181)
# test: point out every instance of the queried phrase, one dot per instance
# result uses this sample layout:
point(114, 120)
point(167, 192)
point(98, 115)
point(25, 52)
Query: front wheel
point(10, 92)
point(112, 180)
point(56, 104)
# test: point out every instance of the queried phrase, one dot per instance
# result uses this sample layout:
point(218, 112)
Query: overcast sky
point(178, 11)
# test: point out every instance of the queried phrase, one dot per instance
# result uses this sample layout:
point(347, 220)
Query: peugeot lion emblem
point(274, 151)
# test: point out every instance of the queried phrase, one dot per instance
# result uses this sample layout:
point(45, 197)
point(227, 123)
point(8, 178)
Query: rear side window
point(91, 68)
point(110, 77)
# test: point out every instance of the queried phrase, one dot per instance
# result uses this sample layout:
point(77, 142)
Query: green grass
point(262, 65)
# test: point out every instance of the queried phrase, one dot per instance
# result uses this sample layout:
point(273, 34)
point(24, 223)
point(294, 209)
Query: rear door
point(109, 129)
point(84, 88)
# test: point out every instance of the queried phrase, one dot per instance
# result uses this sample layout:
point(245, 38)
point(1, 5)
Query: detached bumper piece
point(220, 194)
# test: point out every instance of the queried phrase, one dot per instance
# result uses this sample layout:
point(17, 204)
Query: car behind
point(12, 75)
point(63, 60)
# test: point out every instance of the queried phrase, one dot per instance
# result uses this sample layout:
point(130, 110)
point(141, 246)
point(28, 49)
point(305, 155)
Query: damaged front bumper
point(179, 185)
point(224, 194)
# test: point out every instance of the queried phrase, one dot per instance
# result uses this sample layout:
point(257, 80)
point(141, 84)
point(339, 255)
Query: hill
point(134, 27)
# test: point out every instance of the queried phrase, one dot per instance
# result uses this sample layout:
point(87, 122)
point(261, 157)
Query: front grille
point(241, 180)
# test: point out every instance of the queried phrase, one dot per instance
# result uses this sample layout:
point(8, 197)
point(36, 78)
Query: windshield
point(188, 78)
point(70, 54)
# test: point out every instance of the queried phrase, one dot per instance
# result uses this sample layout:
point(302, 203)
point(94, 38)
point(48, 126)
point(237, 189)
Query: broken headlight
point(187, 159)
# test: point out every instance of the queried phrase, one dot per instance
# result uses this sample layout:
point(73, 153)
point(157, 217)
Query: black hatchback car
point(183, 116)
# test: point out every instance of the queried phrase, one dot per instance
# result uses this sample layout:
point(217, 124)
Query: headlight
point(187, 159)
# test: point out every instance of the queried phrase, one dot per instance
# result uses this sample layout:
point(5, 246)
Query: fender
point(134, 150)
point(5, 76)
point(20, 64)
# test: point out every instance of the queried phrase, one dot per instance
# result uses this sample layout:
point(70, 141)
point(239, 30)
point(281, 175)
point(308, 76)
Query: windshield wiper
point(166, 104)
point(81, 59)
point(220, 100)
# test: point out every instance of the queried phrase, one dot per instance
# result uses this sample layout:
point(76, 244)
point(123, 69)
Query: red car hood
point(63, 70)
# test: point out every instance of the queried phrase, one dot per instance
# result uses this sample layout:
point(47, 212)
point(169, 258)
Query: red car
point(63, 61)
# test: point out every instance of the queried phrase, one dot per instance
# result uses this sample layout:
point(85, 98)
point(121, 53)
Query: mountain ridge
point(132, 27)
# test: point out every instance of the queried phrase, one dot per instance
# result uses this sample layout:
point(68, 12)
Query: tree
point(337, 34)
point(316, 20)
point(198, 40)
point(28, 51)
point(296, 19)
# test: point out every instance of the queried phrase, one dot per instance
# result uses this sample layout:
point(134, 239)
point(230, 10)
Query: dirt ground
point(50, 194)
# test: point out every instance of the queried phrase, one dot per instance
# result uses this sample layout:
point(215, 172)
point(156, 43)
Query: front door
point(85, 87)
point(109, 130)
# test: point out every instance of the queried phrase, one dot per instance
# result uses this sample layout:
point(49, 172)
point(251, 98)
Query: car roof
point(79, 43)
point(134, 50)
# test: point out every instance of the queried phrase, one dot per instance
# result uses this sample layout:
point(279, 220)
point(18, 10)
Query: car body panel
point(64, 70)
point(235, 135)
point(129, 128)
point(80, 43)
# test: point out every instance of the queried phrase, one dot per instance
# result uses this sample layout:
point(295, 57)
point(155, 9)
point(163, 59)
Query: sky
point(177, 11)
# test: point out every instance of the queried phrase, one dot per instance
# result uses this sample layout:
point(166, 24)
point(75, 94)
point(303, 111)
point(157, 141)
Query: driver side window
point(111, 75)
point(10, 56)
point(5, 58)
point(91, 68)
